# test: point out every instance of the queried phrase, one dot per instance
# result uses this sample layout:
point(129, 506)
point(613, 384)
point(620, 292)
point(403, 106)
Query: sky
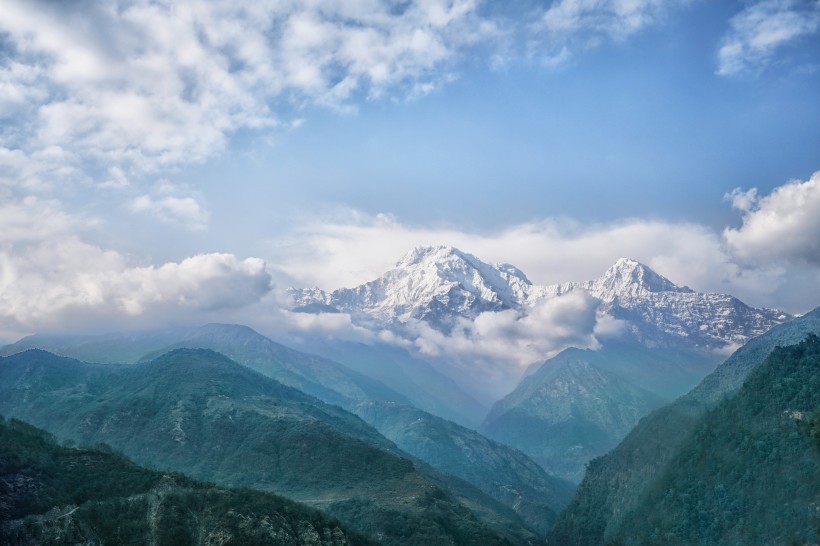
point(167, 162)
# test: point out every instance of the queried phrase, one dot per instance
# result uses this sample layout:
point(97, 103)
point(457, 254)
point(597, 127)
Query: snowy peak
point(629, 278)
point(422, 255)
point(442, 266)
point(437, 284)
point(438, 266)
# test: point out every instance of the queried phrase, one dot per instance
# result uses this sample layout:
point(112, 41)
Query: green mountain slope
point(750, 472)
point(569, 411)
point(256, 351)
point(198, 412)
point(614, 483)
point(502, 472)
point(325, 379)
point(57, 495)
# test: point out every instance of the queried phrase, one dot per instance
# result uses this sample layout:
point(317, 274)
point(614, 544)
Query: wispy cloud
point(763, 28)
point(185, 211)
point(596, 19)
point(571, 25)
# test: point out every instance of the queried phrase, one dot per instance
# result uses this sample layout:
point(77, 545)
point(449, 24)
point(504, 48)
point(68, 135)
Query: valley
point(410, 273)
point(386, 439)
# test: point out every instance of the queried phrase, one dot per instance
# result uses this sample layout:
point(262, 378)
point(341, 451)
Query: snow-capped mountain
point(658, 311)
point(440, 284)
point(436, 284)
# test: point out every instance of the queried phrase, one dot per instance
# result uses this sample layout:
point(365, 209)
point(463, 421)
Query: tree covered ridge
point(197, 412)
point(750, 471)
point(617, 482)
point(52, 493)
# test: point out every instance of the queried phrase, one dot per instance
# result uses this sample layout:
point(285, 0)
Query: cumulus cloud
point(50, 277)
point(521, 339)
point(761, 29)
point(784, 225)
point(488, 354)
point(353, 248)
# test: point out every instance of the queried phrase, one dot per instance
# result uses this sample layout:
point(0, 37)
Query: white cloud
point(761, 29)
point(31, 219)
point(488, 354)
point(784, 225)
point(613, 19)
point(568, 25)
point(40, 170)
point(147, 85)
point(354, 248)
point(327, 325)
point(51, 278)
point(741, 200)
point(520, 340)
point(175, 210)
point(117, 179)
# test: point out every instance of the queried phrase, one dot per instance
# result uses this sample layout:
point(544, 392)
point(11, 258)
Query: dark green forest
point(750, 474)
point(747, 473)
point(616, 483)
point(195, 411)
point(56, 494)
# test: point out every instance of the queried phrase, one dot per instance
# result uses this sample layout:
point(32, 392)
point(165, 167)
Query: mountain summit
point(436, 284)
point(629, 277)
point(441, 284)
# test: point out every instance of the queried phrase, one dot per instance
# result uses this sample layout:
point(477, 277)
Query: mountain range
point(440, 284)
point(335, 383)
point(396, 443)
point(580, 403)
point(196, 411)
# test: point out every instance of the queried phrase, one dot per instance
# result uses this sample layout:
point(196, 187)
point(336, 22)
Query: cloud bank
point(490, 353)
point(771, 259)
point(51, 278)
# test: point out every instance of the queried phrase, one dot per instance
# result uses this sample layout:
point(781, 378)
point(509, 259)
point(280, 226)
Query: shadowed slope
point(614, 483)
point(197, 411)
point(52, 494)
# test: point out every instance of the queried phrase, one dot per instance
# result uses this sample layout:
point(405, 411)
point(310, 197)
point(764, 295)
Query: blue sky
point(152, 153)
